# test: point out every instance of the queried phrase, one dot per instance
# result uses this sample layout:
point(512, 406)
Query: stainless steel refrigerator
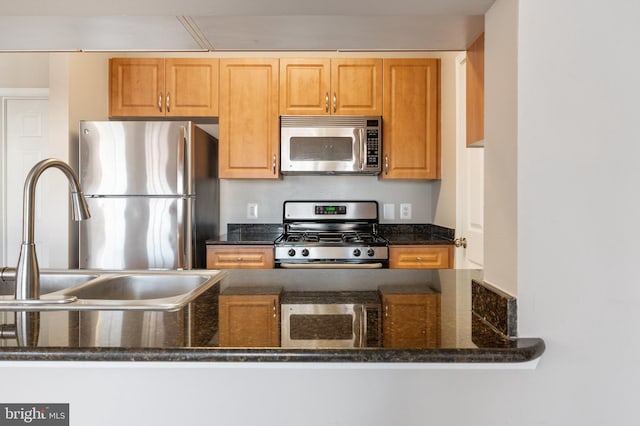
point(152, 191)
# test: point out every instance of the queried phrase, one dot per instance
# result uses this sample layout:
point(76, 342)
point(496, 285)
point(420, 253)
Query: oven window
point(321, 327)
point(320, 148)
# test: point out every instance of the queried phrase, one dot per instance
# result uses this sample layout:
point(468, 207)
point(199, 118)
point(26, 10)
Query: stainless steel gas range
point(331, 234)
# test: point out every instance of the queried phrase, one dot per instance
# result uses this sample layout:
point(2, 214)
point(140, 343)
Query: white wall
point(577, 209)
point(501, 146)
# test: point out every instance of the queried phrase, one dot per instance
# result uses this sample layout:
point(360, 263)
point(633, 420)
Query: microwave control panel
point(373, 147)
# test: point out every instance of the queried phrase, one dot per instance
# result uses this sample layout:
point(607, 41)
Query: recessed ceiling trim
point(192, 28)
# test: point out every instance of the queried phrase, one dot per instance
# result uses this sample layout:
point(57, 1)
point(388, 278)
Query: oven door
point(340, 325)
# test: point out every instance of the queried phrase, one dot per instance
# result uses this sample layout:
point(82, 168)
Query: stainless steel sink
point(139, 287)
point(52, 281)
point(132, 308)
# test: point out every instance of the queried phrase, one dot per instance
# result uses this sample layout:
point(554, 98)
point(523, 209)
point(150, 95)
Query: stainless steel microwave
point(332, 144)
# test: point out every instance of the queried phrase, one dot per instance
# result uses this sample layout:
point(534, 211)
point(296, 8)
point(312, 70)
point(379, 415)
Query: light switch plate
point(405, 211)
point(388, 211)
point(252, 210)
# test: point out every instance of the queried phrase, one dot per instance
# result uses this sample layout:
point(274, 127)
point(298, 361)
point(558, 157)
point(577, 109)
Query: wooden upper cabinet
point(191, 87)
point(249, 123)
point(475, 91)
point(147, 87)
point(136, 87)
point(411, 126)
point(322, 86)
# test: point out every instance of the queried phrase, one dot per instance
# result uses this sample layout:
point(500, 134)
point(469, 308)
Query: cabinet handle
point(160, 102)
point(386, 164)
point(335, 102)
point(275, 312)
point(274, 163)
point(238, 259)
point(386, 310)
point(419, 259)
point(168, 102)
point(326, 102)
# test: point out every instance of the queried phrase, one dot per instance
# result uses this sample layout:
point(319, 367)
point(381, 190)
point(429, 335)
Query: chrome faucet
point(27, 272)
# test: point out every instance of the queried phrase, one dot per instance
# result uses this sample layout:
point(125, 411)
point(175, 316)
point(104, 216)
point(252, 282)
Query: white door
point(470, 186)
point(26, 142)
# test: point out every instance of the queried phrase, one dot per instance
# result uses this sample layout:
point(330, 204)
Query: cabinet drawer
point(421, 257)
point(234, 257)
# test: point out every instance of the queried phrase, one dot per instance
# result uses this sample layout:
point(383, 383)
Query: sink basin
point(139, 287)
point(53, 281)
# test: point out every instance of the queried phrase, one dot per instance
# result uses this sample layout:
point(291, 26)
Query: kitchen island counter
point(475, 325)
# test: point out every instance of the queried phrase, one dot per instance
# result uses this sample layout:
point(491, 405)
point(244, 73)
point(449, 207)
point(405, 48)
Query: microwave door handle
point(363, 148)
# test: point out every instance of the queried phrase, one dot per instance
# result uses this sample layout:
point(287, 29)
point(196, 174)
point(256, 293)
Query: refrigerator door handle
point(184, 237)
point(182, 167)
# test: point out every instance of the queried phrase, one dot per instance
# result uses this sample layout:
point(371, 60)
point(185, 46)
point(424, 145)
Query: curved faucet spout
point(80, 209)
point(27, 272)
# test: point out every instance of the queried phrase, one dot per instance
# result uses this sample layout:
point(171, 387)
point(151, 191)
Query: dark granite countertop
point(407, 234)
point(249, 234)
point(472, 331)
point(418, 234)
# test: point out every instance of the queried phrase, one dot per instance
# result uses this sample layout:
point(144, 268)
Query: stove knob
point(371, 252)
point(356, 252)
point(291, 252)
point(305, 252)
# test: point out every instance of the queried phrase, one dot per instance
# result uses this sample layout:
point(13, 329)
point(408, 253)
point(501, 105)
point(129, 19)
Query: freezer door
point(155, 235)
point(135, 157)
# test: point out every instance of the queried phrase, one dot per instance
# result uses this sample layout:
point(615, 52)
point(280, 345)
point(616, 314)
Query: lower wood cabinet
point(249, 317)
point(410, 319)
point(421, 256)
point(240, 256)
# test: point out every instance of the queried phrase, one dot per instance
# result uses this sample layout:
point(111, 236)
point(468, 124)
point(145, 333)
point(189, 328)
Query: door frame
point(462, 164)
point(7, 94)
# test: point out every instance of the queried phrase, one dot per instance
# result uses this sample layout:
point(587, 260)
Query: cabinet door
point(411, 126)
point(421, 257)
point(305, 86)
point(475, 91)
point(191, 87)
point(249, 120)
point(240, 257)
point(136, 87)
point(249, 320)
point(411, 321)
point(356, 86)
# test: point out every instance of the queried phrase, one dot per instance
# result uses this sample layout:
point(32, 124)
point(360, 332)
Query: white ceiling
point(240, 25)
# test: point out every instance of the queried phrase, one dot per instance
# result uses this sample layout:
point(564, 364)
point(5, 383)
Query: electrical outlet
point(405, 211)
point(388, 211)
point(252, 210)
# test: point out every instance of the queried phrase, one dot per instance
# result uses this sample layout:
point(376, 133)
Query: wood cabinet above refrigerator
point(158, 87)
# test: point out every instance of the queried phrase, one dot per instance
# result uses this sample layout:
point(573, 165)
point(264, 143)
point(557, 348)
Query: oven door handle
point(319, 265)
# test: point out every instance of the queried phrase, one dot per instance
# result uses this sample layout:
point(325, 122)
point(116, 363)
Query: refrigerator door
point(135, 158)
point(136, 233)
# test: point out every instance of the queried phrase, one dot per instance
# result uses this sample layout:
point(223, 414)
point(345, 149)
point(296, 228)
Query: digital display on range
point(331, 210)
